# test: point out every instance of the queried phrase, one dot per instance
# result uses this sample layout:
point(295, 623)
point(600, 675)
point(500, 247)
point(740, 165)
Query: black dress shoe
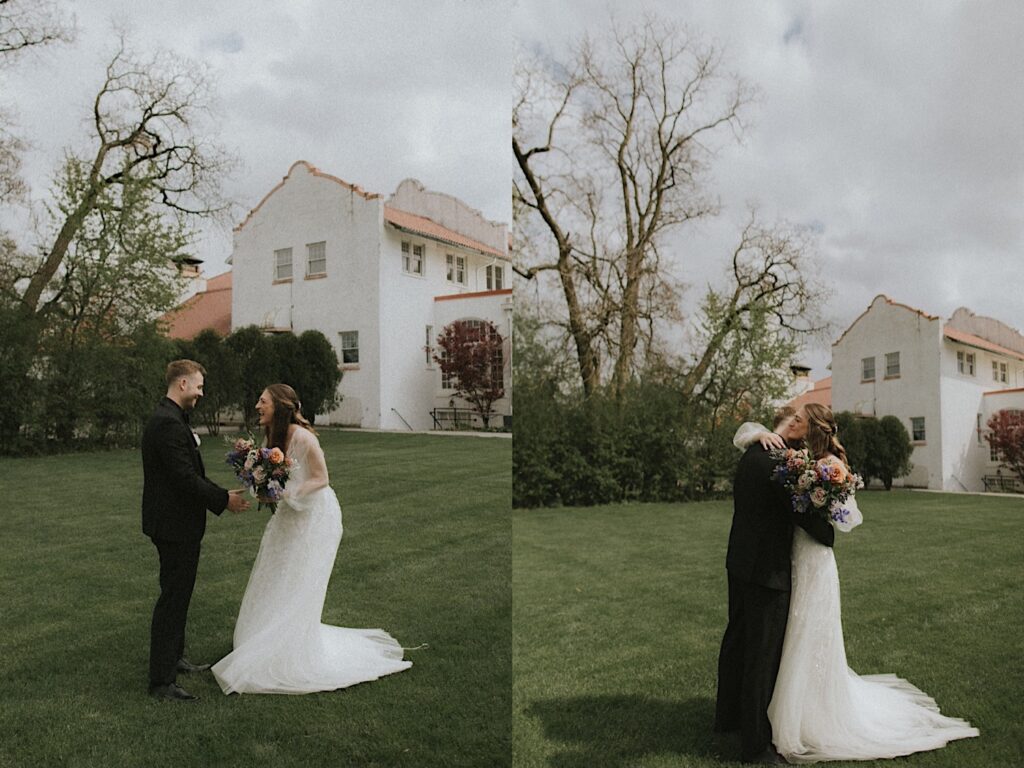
point(184, 665)
point(768, 757)
point(171, 691)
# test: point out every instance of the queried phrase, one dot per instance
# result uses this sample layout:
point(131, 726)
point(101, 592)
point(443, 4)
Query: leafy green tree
point(256, 366)
point(223, 386)
point(317, 375)
point(893, 450)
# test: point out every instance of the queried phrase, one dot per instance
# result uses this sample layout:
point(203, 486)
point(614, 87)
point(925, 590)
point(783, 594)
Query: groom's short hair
point(782, 414)
point(177, 369)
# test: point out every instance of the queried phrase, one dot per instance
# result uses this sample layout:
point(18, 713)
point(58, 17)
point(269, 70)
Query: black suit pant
point(178, 563)
point(749, 663)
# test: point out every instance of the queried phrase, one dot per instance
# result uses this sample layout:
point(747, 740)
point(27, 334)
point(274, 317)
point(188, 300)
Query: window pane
point(917, 428)
point(316, 258)
point(892, 364)
point(350, 346)
point(282, 263)
point(867, 368)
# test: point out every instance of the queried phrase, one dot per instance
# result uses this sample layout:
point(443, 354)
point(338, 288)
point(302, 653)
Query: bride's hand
point(770, 440)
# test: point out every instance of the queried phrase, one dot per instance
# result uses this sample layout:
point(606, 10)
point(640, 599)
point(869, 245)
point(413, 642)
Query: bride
point(821, 709)
point(280, 644)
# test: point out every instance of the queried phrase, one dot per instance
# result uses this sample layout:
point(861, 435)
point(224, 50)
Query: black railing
point(456, 418)
point(1002, 483)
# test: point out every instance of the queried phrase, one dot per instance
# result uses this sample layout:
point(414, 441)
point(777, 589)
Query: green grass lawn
point(425, 555)
point(619, 612)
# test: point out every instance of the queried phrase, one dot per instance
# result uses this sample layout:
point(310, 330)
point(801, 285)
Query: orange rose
point(276, 456)
point(836, 472)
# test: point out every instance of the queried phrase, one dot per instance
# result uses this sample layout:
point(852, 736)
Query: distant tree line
point(98, 393)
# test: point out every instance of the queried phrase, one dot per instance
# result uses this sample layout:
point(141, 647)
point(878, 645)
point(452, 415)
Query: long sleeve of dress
point(747, 434)
point(312, 472)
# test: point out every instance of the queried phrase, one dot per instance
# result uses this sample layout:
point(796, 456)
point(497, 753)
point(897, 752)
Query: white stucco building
point(380, 278)
point(942, 378)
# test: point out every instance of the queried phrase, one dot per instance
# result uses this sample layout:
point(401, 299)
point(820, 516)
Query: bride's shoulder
point(299, 435)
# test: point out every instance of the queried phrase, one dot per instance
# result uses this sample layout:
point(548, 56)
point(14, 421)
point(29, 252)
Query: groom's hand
point(237, 502)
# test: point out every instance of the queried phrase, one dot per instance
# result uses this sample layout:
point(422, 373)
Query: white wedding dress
point(280, 644)
point(823, 710)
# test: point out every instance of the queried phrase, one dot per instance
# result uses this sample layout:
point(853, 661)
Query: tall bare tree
point(611, 152)
point(146, 118)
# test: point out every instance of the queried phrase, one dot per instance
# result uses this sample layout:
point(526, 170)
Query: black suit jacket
point(761, 538)
point(175, 491)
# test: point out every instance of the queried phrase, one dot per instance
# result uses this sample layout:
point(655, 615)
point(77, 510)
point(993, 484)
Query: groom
point(758, 563)
point(175, 497)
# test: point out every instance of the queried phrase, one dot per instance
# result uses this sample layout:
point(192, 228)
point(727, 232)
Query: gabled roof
point(209, 309)
point(976, 341)
point(314, 171)
point(421, 225)
point(891, 303)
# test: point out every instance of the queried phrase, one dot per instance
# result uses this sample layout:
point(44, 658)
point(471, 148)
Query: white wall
point(308, 208)
point(890, 327)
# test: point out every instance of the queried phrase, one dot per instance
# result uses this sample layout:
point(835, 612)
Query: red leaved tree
point(1006, 436)
point(472, 361)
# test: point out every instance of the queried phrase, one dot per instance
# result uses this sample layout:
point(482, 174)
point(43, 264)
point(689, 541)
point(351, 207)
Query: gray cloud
point(894, 130)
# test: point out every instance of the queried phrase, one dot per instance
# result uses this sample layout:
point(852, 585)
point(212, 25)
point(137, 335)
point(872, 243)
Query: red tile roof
point(976, 341)
point(1003, 391)
point(421, 225)
point(820, 393)
point(209, 309)
point(473, 295)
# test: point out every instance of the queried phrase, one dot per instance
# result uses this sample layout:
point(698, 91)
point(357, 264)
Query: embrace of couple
point(783, 680)
point(280, 644)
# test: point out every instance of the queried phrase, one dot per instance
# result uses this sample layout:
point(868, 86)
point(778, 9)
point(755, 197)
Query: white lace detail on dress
point(280, 644)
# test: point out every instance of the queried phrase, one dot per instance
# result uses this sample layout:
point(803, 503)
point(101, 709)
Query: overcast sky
point(893, 129)
point(371, 92)
point(896, 130)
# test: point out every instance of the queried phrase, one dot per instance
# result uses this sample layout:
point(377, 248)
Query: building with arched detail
point(942, 378)
point(380, 279)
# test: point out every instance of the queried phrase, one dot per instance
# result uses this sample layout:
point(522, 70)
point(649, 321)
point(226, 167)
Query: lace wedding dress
point(823, 710)
point(280, 644)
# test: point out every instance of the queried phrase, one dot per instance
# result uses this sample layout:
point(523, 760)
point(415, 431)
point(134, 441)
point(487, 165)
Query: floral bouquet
point(816, 487)
point(264, 471)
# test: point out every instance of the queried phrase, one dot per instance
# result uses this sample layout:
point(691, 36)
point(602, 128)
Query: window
point(412, 258)
point(349, 347)
point(316, 259)
point(917, 429)
point(979, 429)
point(965, 362)
point(450, 381)
point(867, 369)
point(993, 454)
point(498, 368)
point(448, 378)
point(283, 264)
point(495, 277)
point(430, 345)
point(456, 269)
point(1002, 372)
point(892, 365)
